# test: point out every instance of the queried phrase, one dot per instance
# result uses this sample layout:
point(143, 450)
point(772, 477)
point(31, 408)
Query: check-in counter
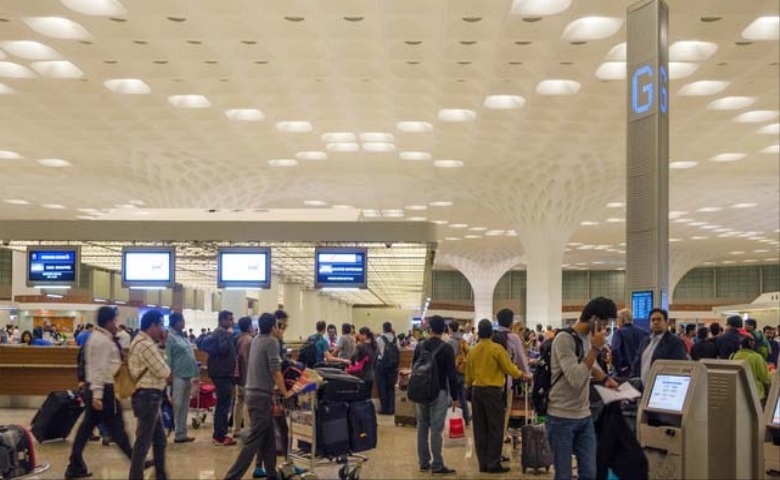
point(772, 431)
point(28, 374)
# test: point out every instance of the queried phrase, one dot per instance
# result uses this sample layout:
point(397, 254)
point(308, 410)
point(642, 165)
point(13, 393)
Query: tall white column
point(235, 301)
point(544, 263)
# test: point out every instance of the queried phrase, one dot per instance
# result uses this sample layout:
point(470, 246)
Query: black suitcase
point(57, 416)
point(17, 452)
point(341, 387)
point(332, 429)
point(362, 426)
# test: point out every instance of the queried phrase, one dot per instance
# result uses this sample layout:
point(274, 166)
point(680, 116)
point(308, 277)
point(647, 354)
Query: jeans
point(385, 385)
point(259, 442)
point(182, 390)
point(224, 386)
point(575, 436)
point(111, 419)
point(431, 417)
point(462, 400)
point(149, 432)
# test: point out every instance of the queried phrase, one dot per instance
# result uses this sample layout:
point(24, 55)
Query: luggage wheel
point(349, 473)
point(195, 423)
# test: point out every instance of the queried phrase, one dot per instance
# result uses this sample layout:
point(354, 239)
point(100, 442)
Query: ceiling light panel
point(692, 51)
point(415, 156)
point(455, 115)
point(504, 102)
point(772, 149)
point(5, 90)
point(704, 87)
point(311, 155)
point(335, 137)
point(539, 8)
point(416, 207)
point(14, 70)
point(771, 129)
point(104, 8)
point(378, 147)
point(16, 201)
point(744, 205)
point(189, 101)
point(127, 86)
point(414, 127)
point(57, 69)
point(728, 157)
point(441, 203)
point(54, 162)
point(283, 162)
point(683, 165)
point(53, 206)
point(58, 27)
point(679, 70)
point(30, 50)
point(616, 205)
point(245, 115)
point(617, 53)
point(592, 28)
point(448, 163)
point(315, 203)
point(731, 103)
point(756, 116)
point(558, 87)
point(375, 137)
point(611, 71)
point(763, 28)
point(343, 147)
point(294, 126)
point(9, 155)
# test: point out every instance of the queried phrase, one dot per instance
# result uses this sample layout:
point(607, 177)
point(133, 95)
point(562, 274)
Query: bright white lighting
point(416, 219)
point(189, 101)
point(494, 233)
point(458, 225)
point(588, 223)
point(477, 229)
point(704, 87)
point(616, 220)
point(617, 53)
point(611, 71)
point(728, 157)
point(416, 207)
point(245, 115)
point(763, 28)
point(771, 129)
point(317, 203)
point(456, 115)
point(53, 206)
point(441, 204)
point(731, 103)
point(757, 116)
point(616, 205)
point(737, 252)
point(14, 70)
point(17, 201)
point(58, 27)
point(452, 239)
point(336, 137)
point(709, 209)
point(699, 238)
point(375, 137)
point(311, 156)
point(371, 213)
point(30, 50)
point(283, 162)
point(343, 207)
point(692, 51)
point(9, 155)
point(592, 28)
point(57, 69)
point(127, 86)
point(441, 222)
point(393, 213)
point(414, 127)
point(539, 8)
point(679, 70)
point(676, 214)
point(504, 102)
point(448, 163)
point(342, 147)
point(415, 156)
point(378, 147)
point(105, 8)
point(472, 237)
point(698, 224)
point(558, 87)
point(294, 126)
point(5, 90)
point(54, 162)
point(682, 165)
point(771, 149)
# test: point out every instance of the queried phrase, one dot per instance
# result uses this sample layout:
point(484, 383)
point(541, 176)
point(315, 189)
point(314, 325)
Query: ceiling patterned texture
point(493, 119)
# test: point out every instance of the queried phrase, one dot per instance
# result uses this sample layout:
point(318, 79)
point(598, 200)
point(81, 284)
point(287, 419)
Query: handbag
point(124, 383)
point(454, 429)
point(357, 368)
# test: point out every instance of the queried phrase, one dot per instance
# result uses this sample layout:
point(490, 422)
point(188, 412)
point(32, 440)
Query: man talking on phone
point(569, 424)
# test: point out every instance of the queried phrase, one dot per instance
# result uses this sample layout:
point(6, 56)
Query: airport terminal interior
point(595, 175)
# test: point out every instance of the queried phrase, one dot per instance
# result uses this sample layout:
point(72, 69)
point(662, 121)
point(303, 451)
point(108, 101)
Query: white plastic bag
point(454, 434)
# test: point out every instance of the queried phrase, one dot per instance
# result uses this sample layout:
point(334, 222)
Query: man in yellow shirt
point(486, 367)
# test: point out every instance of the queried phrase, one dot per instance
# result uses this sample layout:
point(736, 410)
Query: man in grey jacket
point(569, 424)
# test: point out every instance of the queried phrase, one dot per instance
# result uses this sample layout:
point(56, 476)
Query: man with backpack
point(573, 358)
point(316, 349)
point(221, 347)
point(433, 375)
point(387, 369)
point(461, 349)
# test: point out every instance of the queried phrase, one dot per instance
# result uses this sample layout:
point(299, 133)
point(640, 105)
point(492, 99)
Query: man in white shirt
point(124, 337)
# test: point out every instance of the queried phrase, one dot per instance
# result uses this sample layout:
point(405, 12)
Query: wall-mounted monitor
point(669, 392)
point(244, 267)
point(53, 266)
point(340, 267)
point(641, 304)
point(148, 267)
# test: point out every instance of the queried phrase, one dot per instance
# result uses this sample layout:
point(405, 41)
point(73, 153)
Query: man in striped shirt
point(148, 366)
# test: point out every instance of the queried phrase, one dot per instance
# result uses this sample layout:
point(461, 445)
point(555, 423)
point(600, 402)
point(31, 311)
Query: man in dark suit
point(625, 343)
point(729, 342)
point(660, 345)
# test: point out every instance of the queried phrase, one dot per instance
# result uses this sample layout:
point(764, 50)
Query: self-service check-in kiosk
point(672, 421)
point(735, 419)
point(772, 432)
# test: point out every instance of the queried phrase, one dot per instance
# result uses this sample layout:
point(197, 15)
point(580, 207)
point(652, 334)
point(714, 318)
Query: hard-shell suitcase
point(56, 418)
point(536, 452)
point(17, 452)
point(362, 426)
point(405, 409)
point(332, 429)
point(341, 387)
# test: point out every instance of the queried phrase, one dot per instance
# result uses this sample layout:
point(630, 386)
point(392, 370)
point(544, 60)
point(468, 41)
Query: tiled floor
point(395, 457)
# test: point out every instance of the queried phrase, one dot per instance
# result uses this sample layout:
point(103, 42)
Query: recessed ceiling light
point(539, 7)
point(53, 206)
point(617, 53)
point(317, 203)
point(392, 213)
point(494, 233)
point(692, 51)
point(374, 137)
point(9, 155)
point(704, 87)
point(343, 147)
point(611, 71)
point(757, 116)
point(189, 101)
point(245, 115)
point(343, 207)
point(616, 205)
point(478, 229)
point(592, 28)
point(57, 69)
point(457, 115)
point(416, 219)
point(447, 163)
point(458, 225)
point(710, 227)
point(14, 70)
point(737, 252)
point(378, 147)
point(415, 156)
point(472, 237)
point(283, 162)
point(416, 207)
point(699, 238)
point(125, 205)
point(676, 214)
point(682, 165)
point(5, 90)
point(311, 155)
point(558, 87)
point(616, 220)
point(103, 8)
point(414, 126)
point(127, 86)
point(335, 137)
point(761, 251)
point(772, 149)
point(370, 213)
point(750, 260)
point(294, 126)
point(709, 209)
point(17, 201)
point(763, 28)
point(136, 202)
point(54, 162)
point(588, 223)
point(698, 224)
point(452, 239)
point(675, 240)
point(441, 204)
point(728, 157)
point(441, 222)
point(504, 102)
point(30, 50)
point(731, 103)
point(511, 233)
point(58, 27)
point(771, 129)
point(728, 262)
point(679, 70)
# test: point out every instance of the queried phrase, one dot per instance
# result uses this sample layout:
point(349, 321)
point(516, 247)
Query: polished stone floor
point(395, 457)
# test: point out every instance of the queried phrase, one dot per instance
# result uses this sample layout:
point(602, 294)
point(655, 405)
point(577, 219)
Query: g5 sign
point(643, 88)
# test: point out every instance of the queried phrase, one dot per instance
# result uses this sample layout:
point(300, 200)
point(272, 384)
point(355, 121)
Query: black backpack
point(543, 382)
point(307, 355)
point(502, 338)
point(424, 381)
point(392, 355)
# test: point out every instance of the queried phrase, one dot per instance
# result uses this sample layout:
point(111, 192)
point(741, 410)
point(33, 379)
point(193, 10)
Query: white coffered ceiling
point(199, 105)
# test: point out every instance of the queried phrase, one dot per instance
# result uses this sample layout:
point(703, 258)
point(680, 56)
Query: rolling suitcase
point(536, 452)
point(57, 416)
point(341, 387)
point(362, 426)
point(332, 429)
point(17, 452)
point(405, 409)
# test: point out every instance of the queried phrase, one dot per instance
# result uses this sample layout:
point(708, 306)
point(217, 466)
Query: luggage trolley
point(205, 399)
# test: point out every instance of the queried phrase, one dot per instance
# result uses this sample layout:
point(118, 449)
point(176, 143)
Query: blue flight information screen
point(641, 304)
point(345, 268)
point(51, 266)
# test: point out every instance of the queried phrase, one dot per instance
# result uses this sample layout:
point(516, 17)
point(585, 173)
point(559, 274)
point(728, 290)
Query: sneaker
point(425, 467)
point(501, 469)
point(184, 440)
point(225, 442)
point(443, 471)
point(259, 473)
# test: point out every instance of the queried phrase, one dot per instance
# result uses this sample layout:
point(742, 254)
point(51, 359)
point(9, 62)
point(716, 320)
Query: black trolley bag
point(17, 452)
point(341, 387)
point(362, 426)
point(56, 418)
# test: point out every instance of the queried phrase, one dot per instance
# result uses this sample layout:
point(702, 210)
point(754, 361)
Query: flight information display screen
point(148, 267)
point(52, 266)
point(641, 304)
point(341, 267)
point(669, 392)
point(244, 268)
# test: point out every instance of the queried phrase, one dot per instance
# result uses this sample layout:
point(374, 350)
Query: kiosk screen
point(776, 415)
point(668, 392)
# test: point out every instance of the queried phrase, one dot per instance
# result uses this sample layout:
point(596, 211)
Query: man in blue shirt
point(625, 343)
point(82, 337)
point(322, 341)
